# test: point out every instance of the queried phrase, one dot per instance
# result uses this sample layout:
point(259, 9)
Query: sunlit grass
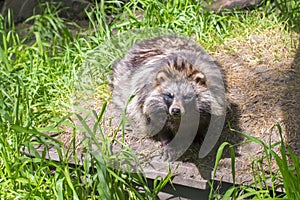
point(267, 184)
point(41, 64)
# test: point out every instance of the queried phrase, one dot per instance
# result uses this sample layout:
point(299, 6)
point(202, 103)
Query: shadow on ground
point(291, 105)
point(205, 165)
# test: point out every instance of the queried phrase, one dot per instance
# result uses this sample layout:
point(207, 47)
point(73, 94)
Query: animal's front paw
point(155, 123)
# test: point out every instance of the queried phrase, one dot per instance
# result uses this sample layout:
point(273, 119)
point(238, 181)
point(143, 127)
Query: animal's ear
point(160, 77)
point(199, 78)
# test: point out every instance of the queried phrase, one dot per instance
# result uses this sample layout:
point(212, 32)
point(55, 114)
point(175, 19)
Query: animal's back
point(144, 53)
point(156, 48)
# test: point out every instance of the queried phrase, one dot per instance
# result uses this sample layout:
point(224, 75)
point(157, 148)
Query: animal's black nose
point(175, 111)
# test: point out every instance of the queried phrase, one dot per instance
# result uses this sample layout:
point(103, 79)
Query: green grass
point(44, 65)
point(267, 183)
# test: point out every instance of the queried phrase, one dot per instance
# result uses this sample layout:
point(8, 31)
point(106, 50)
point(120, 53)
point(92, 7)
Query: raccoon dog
point(169, 76)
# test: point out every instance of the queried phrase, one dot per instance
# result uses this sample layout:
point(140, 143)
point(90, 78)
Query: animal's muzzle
point(175, 111)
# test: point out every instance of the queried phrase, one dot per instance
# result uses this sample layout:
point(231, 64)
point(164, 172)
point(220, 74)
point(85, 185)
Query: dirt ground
point(263, 76)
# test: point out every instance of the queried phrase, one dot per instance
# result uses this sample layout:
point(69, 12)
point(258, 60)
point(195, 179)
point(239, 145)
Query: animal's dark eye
point(190, 96)
point(168, 97)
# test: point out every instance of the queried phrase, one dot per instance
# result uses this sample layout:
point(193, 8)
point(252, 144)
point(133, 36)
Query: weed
point(267, 181)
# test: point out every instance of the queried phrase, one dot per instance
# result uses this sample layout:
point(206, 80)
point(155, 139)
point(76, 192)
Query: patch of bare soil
point(263, 76)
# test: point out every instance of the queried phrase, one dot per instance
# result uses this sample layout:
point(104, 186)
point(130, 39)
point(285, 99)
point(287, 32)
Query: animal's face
point(175, 91)
point(177, 88)
point(177, 95)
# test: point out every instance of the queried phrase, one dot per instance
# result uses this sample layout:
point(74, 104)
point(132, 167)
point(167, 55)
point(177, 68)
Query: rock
point(20, 9)
point(24, 9)
point(222, 5)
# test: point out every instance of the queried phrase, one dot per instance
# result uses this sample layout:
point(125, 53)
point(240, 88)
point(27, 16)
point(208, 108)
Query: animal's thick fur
point(167, 74)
